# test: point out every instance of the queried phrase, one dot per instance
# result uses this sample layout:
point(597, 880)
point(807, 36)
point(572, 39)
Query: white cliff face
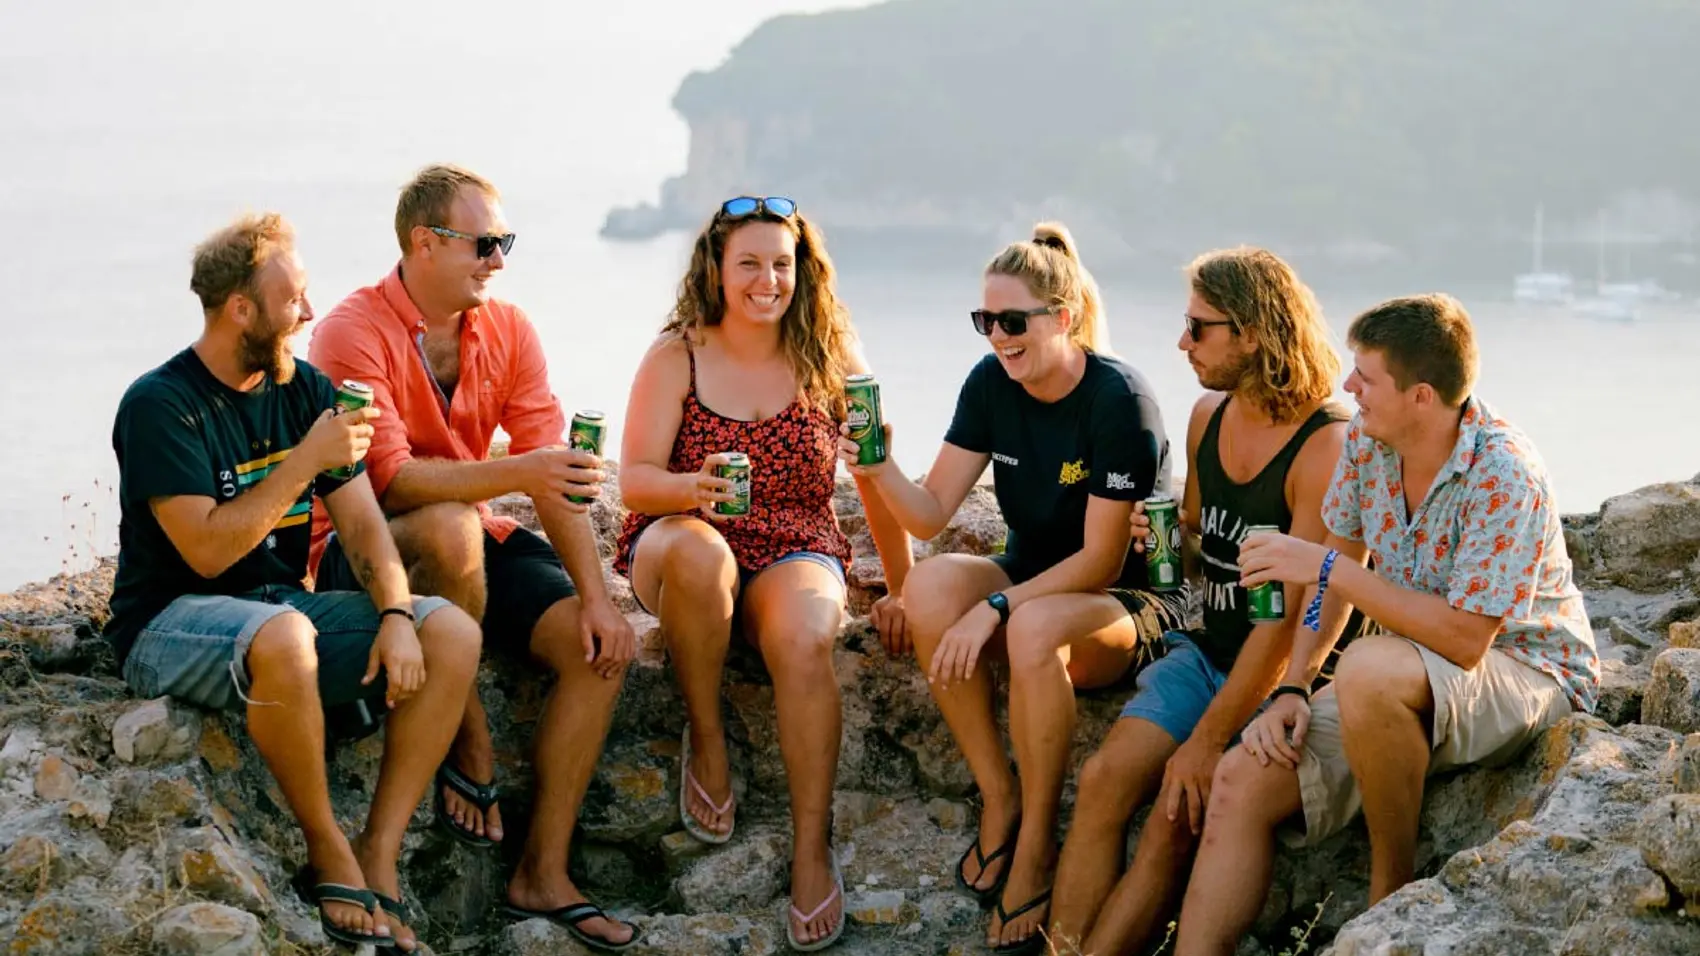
point(115, 811)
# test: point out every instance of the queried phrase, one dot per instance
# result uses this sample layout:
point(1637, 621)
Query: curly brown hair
point(815, 331)
point(1296, 366)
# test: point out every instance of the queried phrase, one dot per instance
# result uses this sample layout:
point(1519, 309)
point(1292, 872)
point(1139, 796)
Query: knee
point(1033, 639)
point(798, 646)
point(1099, 796)
point(1379, 669)
point(450, 638)
point(283, 651)
point(931, 598)
point(699, 562)
point(1236, 790)
point(446, 535)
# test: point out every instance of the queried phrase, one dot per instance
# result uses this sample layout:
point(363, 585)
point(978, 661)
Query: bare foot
point(708, 766)
point(811, 886)
point(1028, 880)
point(334, 862)
point(476, 762)
point(998, 820)
point(381, 877)
point(544, 892)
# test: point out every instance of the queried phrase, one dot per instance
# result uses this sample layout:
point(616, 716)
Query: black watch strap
point(404, 612)
point(1294, 689)
point(1001, 604)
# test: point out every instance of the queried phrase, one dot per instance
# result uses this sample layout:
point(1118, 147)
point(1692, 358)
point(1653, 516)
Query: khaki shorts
point(1484, 716)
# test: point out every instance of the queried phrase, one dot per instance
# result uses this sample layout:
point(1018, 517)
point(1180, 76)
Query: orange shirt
point(374, 336)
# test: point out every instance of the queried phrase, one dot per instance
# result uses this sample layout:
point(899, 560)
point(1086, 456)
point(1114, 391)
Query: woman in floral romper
point(753, 360)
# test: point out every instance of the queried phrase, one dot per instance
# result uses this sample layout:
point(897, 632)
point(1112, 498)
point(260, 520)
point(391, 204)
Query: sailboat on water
point(1539, 286)
point(1611, 302)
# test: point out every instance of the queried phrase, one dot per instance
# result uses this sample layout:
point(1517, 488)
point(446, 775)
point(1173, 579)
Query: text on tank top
point(1226, 509)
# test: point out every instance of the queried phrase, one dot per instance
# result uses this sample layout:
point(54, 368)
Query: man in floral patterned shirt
point(1493, 643)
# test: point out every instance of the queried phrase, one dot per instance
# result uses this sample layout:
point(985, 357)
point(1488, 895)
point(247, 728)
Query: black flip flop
point(397, 907)
point(1032, 944)
point(568, 918)
point(990, 894)
point(318, 894)
point(481, 795)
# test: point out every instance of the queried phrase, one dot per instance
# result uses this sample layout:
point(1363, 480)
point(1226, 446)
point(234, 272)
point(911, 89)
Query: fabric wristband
point(1293, 689)
point(1313, 614)
point(386, 612)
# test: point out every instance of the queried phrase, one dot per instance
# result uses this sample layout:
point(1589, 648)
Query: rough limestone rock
point(208, 929)
point(1673, 692)
point(146, 826)
point(1650, 538)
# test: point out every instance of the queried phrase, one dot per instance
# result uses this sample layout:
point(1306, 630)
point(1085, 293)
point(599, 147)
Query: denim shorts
point(827, 561)
point(1174, 691)
point(196, 650)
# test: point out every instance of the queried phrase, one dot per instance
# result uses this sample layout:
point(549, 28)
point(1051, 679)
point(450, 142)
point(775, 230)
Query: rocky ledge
point(144, 826)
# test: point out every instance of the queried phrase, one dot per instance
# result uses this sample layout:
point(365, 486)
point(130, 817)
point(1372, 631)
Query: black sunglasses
point(485, 246)
point(1014, 321)
point(743, 206)
point(1195, 326)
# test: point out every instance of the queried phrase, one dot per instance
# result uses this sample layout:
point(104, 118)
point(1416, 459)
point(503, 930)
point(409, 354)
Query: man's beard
point(1228, 377)
point(268, 351)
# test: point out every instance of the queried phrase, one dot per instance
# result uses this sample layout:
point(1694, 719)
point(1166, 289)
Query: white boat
point(1540, 287)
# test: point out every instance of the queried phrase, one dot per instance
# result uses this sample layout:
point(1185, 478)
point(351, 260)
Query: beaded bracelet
point(1313, 614)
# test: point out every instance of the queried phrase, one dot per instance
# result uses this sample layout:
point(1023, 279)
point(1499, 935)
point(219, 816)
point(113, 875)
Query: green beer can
point(351, 395)
point(736, 470)
point(585, 434)
point(867, 424)
point(1266, 602)
point(1163, 548)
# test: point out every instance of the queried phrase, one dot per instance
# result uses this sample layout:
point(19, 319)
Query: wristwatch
point(1001, 604)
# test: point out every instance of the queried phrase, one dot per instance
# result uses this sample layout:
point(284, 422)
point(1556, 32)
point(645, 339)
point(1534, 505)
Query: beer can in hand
point(867, 423)
point(351, 395)
point(1163, 567)
point(736, 470)
point(1267, 602)
point(585, 434)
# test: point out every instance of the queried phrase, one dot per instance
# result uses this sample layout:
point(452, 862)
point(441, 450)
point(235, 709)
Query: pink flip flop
point(806, 918)
point(687, 783)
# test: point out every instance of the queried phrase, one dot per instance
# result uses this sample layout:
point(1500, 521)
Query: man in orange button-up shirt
point(448, 364)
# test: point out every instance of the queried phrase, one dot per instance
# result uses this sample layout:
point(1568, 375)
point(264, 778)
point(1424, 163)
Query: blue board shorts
point(196, 650)
point(1174, 691)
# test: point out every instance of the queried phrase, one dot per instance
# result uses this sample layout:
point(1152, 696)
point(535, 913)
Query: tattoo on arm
point(363, 571)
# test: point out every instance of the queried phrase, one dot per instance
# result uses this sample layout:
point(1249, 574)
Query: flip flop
point(397, 907)
point(568, 918)
point(318, 894)
point(990, 894)
point(1032, 944)
point(687, 783)
point(481, 795)
point(806, 918)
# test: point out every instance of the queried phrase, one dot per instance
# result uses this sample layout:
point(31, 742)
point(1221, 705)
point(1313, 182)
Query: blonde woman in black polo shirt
point(1074, 437)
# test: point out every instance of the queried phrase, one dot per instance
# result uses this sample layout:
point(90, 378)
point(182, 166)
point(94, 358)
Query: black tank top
point(1227, 510)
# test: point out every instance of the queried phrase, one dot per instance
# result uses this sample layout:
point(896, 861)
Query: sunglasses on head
point(485, 246)
point(1195, 326)
point(1014, 321)
point(743, 206)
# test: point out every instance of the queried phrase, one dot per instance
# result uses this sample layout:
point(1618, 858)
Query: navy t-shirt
point(180, 431)
point(1105, 438)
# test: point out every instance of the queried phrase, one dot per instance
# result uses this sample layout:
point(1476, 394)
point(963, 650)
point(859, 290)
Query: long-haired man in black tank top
point(1261, 448)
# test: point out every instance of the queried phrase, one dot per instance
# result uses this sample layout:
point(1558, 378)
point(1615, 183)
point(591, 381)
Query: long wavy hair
point(1295, 366)
point(815, 331)
point(1049, 264)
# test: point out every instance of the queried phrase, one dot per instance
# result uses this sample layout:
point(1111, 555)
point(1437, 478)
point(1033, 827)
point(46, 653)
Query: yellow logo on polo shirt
point(1072, 472)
